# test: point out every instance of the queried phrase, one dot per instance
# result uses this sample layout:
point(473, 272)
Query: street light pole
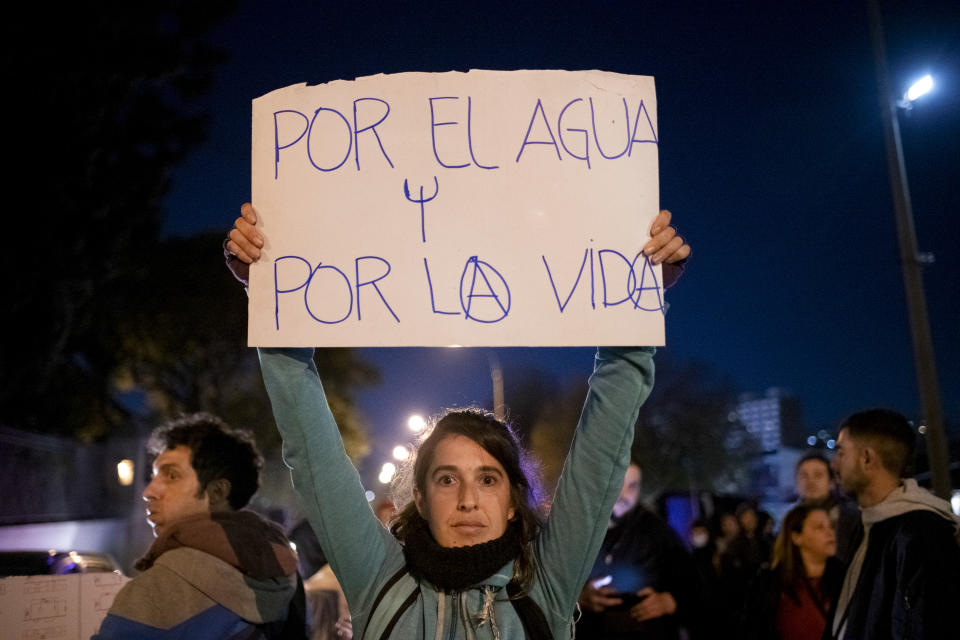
point(912, 269)
point(496, 377)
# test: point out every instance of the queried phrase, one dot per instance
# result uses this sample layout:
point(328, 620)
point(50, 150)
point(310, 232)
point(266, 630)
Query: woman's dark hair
point(787, 561)
point(216, 451)
point(497, 439)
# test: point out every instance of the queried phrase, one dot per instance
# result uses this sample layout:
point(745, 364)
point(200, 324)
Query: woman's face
point(817, 536)
point(466, 499)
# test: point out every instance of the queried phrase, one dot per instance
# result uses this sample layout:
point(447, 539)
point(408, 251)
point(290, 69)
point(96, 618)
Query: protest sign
point(61, 607)
point(476, 209)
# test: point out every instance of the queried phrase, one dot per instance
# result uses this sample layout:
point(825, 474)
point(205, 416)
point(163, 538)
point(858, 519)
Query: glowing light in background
point(400, 452)
point(416, 423)
point(387, 472)
point(125, 472)
point(920, 87)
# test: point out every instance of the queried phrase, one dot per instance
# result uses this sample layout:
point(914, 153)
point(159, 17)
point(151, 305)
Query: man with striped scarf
point(215, 570)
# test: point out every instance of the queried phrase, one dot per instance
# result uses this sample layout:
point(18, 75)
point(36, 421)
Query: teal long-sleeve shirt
point(364, 555)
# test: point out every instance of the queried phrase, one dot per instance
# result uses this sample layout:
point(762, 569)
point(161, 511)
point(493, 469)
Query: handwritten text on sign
point(480, 208)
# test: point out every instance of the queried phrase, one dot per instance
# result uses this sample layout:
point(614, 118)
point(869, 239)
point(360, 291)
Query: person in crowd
point(215, 570)
point(703, 548)
point(310, 555)
point(814, 485)
point(729, 527)
point(468, 554)
point(726, 602)
point(706, 559)
point(644, 583)
point(729, 530)
point(792, 598)
point(740, 562)
point(812, 477)
point(765, 527)
point(904, 578)
point(747, 552)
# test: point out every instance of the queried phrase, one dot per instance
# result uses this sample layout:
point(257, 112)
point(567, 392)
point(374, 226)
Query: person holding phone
point(644, 583)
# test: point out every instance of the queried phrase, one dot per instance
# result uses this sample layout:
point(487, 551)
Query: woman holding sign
point(469, 554)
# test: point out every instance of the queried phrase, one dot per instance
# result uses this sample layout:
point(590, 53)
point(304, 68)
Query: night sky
point(771, 157)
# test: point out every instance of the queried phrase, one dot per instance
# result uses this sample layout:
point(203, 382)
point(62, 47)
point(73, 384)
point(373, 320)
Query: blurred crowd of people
point(742, 574)
point(733, 579)
point(764, 579)
point(863, 553)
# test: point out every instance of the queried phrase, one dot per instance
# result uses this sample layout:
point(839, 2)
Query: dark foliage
point(103, 111)
point(686, 434)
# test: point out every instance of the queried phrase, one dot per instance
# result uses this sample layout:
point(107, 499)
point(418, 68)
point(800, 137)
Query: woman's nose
point(467, 499)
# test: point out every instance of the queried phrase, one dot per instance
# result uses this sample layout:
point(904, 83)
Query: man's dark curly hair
point(216, 451)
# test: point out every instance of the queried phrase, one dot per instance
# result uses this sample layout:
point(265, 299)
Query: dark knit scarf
point(456, 568)
point(243, 539)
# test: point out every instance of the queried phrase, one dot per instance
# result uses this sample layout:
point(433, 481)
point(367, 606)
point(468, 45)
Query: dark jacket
point(641, 550)
point(909, 586)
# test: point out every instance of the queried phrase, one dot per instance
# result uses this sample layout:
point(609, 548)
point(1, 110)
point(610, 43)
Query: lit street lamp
point(919, 88)
point(912, 262)
point(416, 423)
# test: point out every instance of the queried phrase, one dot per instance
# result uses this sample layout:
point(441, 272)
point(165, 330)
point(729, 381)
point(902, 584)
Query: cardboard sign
point(476, 209)
point(64, 607)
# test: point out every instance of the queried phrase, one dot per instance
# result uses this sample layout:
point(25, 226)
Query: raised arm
point(329, 487)
point(593, 471)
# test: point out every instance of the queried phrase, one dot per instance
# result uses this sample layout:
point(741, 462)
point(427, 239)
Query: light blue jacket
point(364, 555)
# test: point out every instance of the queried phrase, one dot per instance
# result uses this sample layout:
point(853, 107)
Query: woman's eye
point(446, 480)
point(488, 480)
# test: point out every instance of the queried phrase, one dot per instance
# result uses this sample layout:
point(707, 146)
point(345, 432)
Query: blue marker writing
point(421, 201)
point(471, 270)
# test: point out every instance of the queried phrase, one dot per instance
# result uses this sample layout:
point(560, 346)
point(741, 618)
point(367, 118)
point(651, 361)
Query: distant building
point(775, 419)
